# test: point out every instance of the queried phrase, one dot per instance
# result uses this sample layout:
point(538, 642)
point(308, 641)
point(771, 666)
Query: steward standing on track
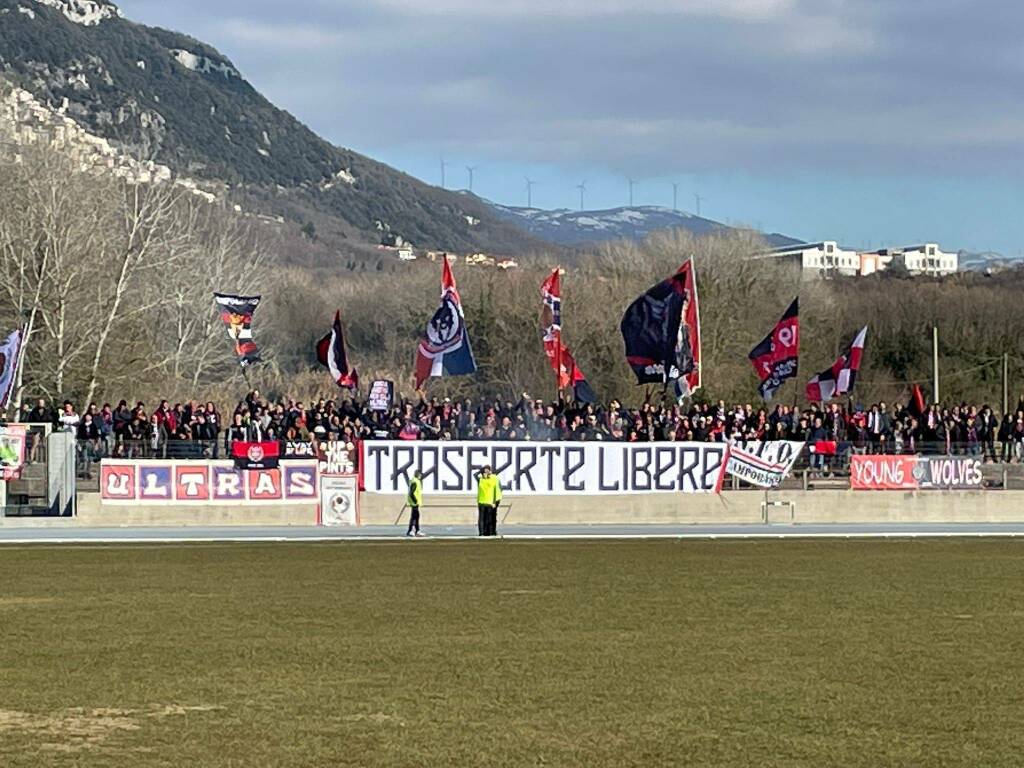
point(415, 501)
point(488, 497)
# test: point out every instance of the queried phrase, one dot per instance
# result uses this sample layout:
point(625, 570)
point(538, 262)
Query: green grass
point(799, 653)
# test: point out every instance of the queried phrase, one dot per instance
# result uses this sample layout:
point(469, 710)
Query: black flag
point(331, 353)
point(237, 312)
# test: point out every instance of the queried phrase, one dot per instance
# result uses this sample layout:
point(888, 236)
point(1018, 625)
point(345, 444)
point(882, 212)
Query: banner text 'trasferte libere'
point(546, 468)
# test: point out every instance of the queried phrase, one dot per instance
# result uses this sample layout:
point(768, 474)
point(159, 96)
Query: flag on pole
point(917, 406)
point(777, 356)
point(445, 349)
point(839, 379)
point(237, 312)
point(661, 331)
point(562, 362)
point(331, 353)
point(10, 356)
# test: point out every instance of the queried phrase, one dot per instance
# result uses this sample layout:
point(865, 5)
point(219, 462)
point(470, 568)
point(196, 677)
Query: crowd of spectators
point(198, 430)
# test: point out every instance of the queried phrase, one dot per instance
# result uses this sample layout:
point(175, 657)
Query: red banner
point(883, 473)
point(256, 455)
point(911, 473)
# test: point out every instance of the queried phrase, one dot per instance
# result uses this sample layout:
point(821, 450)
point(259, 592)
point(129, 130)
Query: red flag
point(839, 379)
point(567, 373)
point(776, 358)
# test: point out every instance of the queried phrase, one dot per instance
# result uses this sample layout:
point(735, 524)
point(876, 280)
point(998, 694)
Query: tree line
point(113, 282)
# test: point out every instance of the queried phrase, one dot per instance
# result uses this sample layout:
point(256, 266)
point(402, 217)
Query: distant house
point(480, 259)
point(406, 253)
point(826, 258)
point(508, 264)
point(927, 259)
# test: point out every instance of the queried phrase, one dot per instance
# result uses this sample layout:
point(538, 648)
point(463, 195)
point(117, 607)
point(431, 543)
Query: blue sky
point(869, 121)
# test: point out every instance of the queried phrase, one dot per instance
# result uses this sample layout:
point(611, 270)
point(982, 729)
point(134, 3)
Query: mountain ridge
point(579, 228)
point(166, 97)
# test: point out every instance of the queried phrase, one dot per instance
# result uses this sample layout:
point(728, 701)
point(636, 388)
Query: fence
point(812, 469)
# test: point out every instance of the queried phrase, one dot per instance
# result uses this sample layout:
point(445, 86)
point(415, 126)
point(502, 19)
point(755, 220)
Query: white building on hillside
point(826, 258)
point(927, 259)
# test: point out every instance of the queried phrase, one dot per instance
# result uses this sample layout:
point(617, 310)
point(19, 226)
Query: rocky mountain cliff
point(165, 97)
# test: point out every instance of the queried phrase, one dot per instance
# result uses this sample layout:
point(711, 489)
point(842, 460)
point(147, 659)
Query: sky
point(871, 122)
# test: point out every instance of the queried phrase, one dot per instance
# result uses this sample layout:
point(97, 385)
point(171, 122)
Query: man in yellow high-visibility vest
point(488, 497)
point(414, 501)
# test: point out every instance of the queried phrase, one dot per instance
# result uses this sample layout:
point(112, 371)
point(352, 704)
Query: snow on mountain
point(567, 227)
point(203, 64)
point(88, 13)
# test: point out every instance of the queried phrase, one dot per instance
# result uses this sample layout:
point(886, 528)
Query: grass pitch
point(420, 653)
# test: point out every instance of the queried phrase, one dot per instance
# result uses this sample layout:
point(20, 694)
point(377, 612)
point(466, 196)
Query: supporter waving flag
point(237, 312)
point(10, 353)
point(562, 362)
point(331, 353)
point(661, 331)
point(839, 379)
point(776, 358)
point(444, 349)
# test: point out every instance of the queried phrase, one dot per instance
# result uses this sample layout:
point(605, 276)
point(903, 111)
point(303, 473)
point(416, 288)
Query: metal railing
point(89, 452)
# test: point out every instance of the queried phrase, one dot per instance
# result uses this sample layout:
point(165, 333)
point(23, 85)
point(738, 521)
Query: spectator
point(69, 418)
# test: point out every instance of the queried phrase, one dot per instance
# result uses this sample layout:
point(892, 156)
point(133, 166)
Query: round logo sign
point(255, 453)
point(445, 328)
point(340, 504)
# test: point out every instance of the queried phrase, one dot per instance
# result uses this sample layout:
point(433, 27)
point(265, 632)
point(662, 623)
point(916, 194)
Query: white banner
point(763, 463)
point(546, 468)
point(339, 500)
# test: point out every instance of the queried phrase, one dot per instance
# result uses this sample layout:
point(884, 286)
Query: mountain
point(178, 102)
point(988, 262)
point(573, 228)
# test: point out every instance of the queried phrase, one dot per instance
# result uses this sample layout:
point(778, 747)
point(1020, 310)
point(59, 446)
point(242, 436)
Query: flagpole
point(558, 341)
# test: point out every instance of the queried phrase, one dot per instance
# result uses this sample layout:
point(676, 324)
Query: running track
point(21, 534)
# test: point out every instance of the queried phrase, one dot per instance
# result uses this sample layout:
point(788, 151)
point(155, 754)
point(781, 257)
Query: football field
point(519, 653)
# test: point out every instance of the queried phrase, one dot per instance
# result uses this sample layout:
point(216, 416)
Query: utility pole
point(675, 196)
point(698, 198)
point(469, 170)
point(935, 365)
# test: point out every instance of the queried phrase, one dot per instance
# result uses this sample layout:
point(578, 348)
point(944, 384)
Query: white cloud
point(743, 10)
point(281, 35)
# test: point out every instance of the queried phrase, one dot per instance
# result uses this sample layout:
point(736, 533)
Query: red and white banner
point(206, 482)
point(764, 464)
point(912, 473)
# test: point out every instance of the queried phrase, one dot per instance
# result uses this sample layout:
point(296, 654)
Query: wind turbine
point(675, 196)
point(469, 170)
point(582, 187)
point(698, 198)
point(529, 191)
point(632, 183)
point(444, 166)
